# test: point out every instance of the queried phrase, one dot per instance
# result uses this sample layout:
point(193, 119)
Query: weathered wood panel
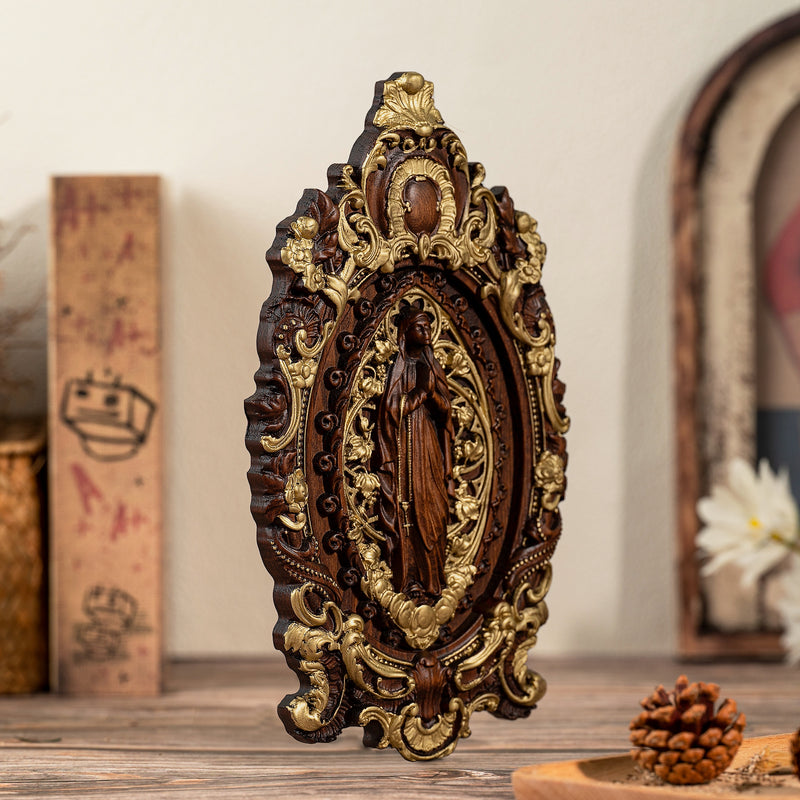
point(106, 456)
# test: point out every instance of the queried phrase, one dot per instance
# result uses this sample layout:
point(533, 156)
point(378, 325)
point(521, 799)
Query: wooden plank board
point(105, 433)
point(617, 777)
point(296, 776)
point(215, 733)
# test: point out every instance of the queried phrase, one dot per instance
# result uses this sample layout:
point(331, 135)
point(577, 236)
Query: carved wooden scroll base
point(406, 436)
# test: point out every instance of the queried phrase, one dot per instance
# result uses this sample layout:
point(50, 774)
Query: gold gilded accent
point(296, 494)
point(408, 103)
point(419, 623)
point(549, 477)
point(365, 667)
point(473, 460)
point(371, 252)
point(524, 615)
point(298, 253)
point(416, 742)
point(405, 730)
point(418, 168)
point(301, 372)
point(469, 246)
point(526, 227)
point(538, 351)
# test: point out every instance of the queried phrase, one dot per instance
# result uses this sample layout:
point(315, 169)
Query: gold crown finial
point(408, 103)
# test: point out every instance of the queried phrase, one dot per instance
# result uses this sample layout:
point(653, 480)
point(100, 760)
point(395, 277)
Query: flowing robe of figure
point(415, 435)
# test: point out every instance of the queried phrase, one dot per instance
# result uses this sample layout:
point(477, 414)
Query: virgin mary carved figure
point(415, 436)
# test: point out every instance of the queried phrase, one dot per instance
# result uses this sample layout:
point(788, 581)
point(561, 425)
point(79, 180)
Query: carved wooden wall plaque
point(406, 436)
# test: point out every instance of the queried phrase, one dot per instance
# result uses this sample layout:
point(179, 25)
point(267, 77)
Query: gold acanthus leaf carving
point(332, 631)
point(408, 103)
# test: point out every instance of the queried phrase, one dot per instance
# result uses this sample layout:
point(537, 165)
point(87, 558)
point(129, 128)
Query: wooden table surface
point(214, 733)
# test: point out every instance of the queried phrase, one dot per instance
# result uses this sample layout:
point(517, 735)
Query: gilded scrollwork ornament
point(407, 443)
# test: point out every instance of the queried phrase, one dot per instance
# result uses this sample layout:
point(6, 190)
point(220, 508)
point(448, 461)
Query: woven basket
point(23, 629)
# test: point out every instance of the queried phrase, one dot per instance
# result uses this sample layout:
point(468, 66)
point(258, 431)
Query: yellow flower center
point(756, 533)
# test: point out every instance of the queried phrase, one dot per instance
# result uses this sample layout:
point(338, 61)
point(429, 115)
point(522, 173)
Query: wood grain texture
point(214, 732)
point(105, 435)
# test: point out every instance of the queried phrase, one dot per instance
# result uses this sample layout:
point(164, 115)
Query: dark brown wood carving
point(406, 436)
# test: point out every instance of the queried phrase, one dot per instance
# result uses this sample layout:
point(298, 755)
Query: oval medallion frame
point(407, 440)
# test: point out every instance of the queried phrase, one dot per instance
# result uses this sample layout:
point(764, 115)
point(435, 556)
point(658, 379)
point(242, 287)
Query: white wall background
point(241, 105)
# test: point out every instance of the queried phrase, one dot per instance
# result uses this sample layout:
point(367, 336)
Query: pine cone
point(794, 749)
point(680, 738)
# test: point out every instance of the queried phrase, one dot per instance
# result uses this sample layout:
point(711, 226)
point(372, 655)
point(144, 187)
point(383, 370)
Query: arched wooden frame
point(716, 414)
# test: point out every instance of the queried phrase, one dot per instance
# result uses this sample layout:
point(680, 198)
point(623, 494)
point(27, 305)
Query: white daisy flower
point(751, 522)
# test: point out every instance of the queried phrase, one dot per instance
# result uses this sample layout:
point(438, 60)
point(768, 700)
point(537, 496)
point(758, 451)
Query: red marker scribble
point(120, 524)
point(122, 334)
point(113, 333)
point(124, 520)
point(126, 192)
point(87, 489)
point(126, 251)
point(66, 209)
point(91, 208)
point(69, 209)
